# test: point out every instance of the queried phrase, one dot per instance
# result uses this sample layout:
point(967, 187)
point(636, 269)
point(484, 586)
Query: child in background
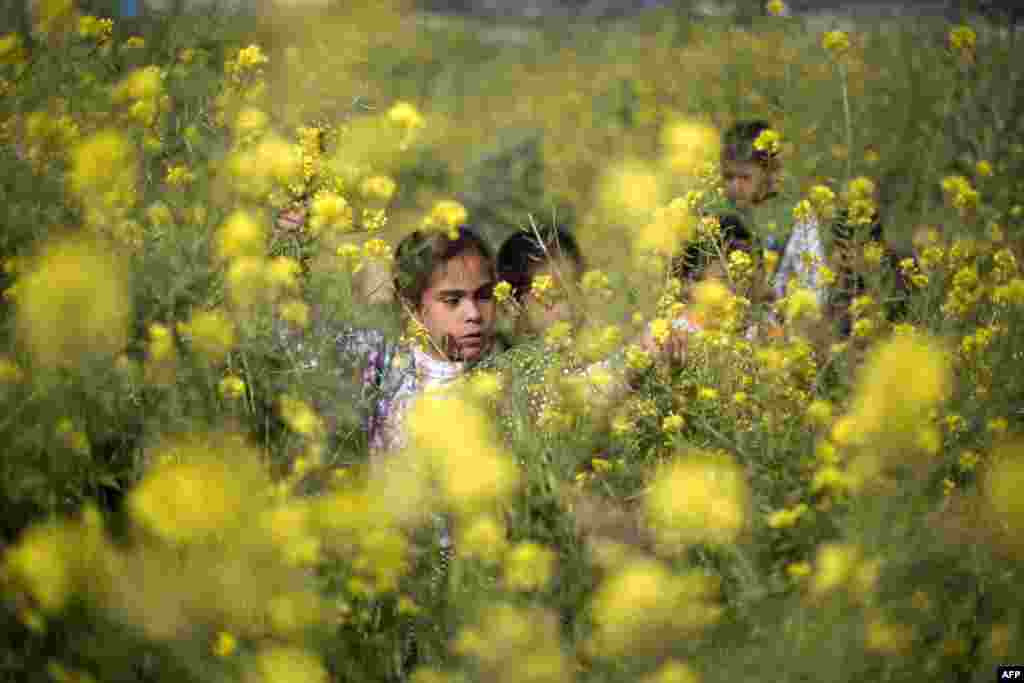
point(750, 170)
point(526, 256)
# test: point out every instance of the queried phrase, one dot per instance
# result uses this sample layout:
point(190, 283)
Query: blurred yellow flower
point(776, 8)
point(502, 291)
point(406, 115)
point(699, 498)
point(528, 567)
point(225, 645)
point(962, 39)
point(689, 146)
point(983, 168)
point(288, 664)
point(211, 333)
point(379, 187)
point(643, 599)
point(241, 235)
point(674, 671)
point(73, 303)
point(472, 468)
point(836, 42)
point(232, 387)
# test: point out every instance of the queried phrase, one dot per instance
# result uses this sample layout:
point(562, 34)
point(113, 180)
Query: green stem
point(848, 118)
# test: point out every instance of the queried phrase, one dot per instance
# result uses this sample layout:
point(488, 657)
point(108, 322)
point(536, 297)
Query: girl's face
point(458, 308)
point(537, 316)
point(747, 183)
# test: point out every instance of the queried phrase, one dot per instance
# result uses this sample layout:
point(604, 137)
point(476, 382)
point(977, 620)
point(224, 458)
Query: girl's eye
point(451, 301)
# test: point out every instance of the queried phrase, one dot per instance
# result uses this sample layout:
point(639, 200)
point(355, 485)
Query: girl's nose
point(471, 310)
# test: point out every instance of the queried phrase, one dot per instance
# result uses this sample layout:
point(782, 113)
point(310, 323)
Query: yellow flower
point(484, 539)
point(529, 566)
point(698, 499)
point(643, 599)
point(180, 176)
point(637, 359)
point(836, 564)
point(768, 141)
point(673, 423)
point(288, 664)
point(782, 519)
point(502, 291)
point(232, 387)
point(836, 42)
point(689, 145)
point(776, 8)
point(885, 400)
point(211, 333)
point(330, 211)
point(198, 491)
point(470, 465)
point(295, 312)
point(983, 168)
point(674, 671)
point(379, 187)
point(558, 335)
point(75, 302)
point(241, 235)
point(251, 57)
point(405, 115)
point(962, 39)
point(447, 215)
point(299, 417)
point(134, 43)
point(103, 169)
point(11, 49)
point(799, 570)
point(225, 645)
point(707, 394)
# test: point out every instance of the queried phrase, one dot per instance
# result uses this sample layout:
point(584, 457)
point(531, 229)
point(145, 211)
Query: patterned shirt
point(802, 257)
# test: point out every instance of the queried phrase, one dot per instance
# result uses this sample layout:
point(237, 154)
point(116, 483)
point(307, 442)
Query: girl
point(751, 175)
point(445, 286)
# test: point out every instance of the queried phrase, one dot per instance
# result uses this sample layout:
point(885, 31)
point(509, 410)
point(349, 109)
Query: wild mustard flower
point(768, 141)
point(983, 168)
point(698, 498)
point(94, 27)
point(675, 671)
point(300, 417)
point(823, 199)
point(289, 664)
point(379, 188)
point(962, 39)
point(225, 645)
point(673, 423)
point(689, 145)
point(783, 519)
point(529, 566)
point(134, 43)
point(198, 500)
point(776, 8)
point(73, 302)
point(643, 598)
point(232, 387)
point(502, 292)
point(12, 49)
point(837, 43)
point(472, 469)
point(211, 333)
point(447, 215)
point(241, 235)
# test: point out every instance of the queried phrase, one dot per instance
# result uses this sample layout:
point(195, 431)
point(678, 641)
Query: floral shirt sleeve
point(803, 255)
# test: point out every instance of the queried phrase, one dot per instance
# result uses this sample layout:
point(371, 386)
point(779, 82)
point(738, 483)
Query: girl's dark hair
point(699, 255)
point(738, 142)
point(524, 250)
point(420, 253)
